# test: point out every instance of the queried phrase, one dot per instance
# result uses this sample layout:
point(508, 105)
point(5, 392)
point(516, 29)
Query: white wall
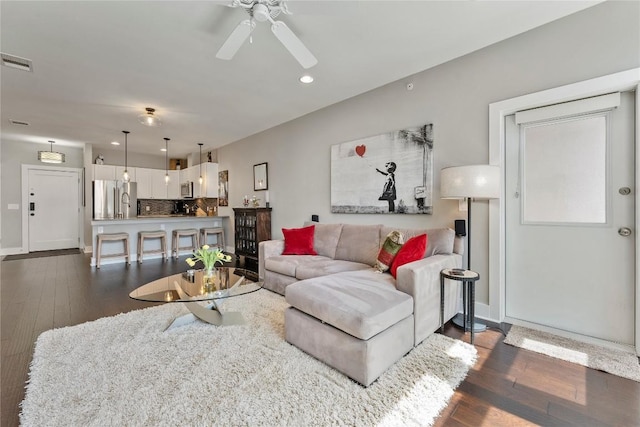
point(454, 97)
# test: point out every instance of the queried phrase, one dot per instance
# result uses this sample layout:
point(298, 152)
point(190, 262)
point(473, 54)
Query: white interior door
point(570, 234)
point(53, 209)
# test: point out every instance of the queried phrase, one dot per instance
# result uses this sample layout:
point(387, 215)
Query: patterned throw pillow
point(388, 251)
point(411, 251)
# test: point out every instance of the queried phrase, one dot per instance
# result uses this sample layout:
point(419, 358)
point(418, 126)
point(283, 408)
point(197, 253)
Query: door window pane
point(564, 171)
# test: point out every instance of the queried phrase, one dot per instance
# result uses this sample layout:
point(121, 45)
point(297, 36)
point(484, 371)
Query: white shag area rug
point(616, 362)
point(125, 370)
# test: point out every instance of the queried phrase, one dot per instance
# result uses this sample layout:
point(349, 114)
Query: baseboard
point(11, 251)
point(88, 250)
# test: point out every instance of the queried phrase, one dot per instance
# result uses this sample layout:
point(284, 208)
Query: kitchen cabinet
point(158, 184)
point(151, 183)
point(209, 187)
point(173, 190)
point(210, 176)
point(143, 178)
point(252, 226)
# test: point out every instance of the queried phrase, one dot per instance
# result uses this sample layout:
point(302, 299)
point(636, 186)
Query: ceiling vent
point(18, 122)
point(16, 62)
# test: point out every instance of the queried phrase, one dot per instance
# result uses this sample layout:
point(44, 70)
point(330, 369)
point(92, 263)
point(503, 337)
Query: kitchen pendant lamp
point(200, 179)
point(51, 156)
point(149, 118)
point(166, 160)
point(125, 174)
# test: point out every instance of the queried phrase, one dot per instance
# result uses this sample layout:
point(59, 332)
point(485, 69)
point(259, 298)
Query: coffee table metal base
point(209, 313)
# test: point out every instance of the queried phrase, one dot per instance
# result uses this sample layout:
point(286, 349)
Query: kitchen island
point(132, 226)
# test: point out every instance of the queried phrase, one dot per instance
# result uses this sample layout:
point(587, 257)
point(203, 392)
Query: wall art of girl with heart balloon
point(391, 173)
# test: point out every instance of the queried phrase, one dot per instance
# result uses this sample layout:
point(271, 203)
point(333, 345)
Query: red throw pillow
point(299, 241)
point(412, 250)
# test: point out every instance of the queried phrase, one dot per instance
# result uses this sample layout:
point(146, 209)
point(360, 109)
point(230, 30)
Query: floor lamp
point(479, 182)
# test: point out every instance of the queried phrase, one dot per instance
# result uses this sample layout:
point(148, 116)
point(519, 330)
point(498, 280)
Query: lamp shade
point(473, 181)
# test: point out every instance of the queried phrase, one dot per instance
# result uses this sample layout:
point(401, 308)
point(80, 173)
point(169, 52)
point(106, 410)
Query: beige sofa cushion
point(325, 238)
point(439, 240)
point(361, 303)
point(359, 243)
point(308, 266)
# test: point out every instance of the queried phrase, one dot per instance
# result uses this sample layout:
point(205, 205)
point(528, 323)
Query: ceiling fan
point(261, 11)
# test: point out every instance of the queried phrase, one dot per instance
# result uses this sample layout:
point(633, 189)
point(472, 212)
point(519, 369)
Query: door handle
point(624, 231)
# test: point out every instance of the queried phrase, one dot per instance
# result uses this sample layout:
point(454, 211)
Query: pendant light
point(166, 160)
point(125, 174)
point(200, 179)
point(51, 156)
point(149, 118)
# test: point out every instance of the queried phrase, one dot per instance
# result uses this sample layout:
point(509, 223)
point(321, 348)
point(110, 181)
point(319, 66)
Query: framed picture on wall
point(223, 188)
point(260, 177)
point(387, 173)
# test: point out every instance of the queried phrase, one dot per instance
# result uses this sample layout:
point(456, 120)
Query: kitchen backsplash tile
point(168, 207)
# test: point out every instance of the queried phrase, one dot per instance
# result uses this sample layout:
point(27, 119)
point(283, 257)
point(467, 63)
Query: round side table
point(468, 279)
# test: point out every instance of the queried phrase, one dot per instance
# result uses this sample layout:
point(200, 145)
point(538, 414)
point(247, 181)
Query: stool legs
point(175, 242)
point(112, 238)
point(163, 247)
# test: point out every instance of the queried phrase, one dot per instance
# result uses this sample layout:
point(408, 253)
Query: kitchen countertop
point(155, 218)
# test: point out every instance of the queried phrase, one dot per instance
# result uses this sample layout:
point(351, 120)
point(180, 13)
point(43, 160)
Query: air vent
point(18, 122)
point(16, 62)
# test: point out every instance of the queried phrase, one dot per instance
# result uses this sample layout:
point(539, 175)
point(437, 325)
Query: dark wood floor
point(506, 387)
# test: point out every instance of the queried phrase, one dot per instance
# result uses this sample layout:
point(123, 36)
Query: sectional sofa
point(344, 311)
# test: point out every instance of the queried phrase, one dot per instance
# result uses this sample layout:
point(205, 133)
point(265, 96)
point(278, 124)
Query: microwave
point(186, 190)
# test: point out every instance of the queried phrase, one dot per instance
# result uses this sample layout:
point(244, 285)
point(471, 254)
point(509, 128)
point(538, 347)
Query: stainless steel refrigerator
point(114, 200)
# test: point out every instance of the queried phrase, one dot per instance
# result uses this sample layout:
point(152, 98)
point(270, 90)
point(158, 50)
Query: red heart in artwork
point(360, 149)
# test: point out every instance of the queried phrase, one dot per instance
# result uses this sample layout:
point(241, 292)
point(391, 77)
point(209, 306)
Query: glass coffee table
point(189, 288)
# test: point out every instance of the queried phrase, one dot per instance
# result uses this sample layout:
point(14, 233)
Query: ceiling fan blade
point(293, 44)
point(236, 39)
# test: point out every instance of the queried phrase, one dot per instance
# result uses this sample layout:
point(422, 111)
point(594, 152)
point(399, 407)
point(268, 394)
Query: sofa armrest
point(267, 249)
point(421, 280)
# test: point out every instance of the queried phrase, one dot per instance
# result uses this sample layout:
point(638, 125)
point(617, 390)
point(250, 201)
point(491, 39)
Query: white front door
point(53, 209)
point(570, 237)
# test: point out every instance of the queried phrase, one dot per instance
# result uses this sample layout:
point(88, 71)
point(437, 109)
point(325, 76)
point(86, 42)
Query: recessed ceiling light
point(115, 143)
point(306, 79)
point(163, 149)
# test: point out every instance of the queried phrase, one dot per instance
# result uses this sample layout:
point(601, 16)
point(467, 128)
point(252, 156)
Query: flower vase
point(209, 279)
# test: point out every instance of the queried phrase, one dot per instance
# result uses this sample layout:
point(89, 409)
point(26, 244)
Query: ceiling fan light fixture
point(149, 118)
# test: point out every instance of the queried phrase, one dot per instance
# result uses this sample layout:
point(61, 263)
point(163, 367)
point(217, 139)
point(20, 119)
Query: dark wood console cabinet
point(252, 226)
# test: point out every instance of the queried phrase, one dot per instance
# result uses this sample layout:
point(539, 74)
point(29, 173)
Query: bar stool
point(160, 234)
point(187, 232)
point(216, 231)
point(110, 237)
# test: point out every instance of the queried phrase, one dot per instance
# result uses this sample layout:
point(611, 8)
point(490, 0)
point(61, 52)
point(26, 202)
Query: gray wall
point(14, 155)
point(455, 97)
point(17, 153)
point(141, 160)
